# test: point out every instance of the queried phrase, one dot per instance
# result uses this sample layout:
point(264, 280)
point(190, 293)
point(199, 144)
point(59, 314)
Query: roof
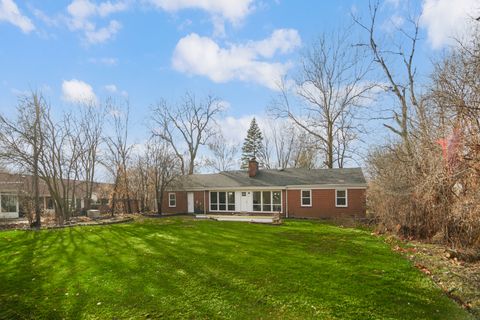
point(274, 178)
point(23, 183)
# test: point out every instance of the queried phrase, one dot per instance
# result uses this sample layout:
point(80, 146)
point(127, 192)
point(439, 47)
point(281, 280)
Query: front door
point(245, 201)
point(190, 202)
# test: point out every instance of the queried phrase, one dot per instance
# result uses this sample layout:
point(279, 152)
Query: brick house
point(15, 189)
point(294, 193)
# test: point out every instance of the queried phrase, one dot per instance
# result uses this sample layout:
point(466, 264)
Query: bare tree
point(118, 155)
point(401, 83)
point(89, 130)
point(305, 153)
point(224, 155)
point(38, 144)
point(164, 167)
point(21, 142)
point(283, 137)
point(58, 163)
point(330, 88)
point(429, 189)
point(189, 123)
point(140, 180)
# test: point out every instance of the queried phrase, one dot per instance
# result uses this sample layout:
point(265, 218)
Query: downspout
point(286, 202)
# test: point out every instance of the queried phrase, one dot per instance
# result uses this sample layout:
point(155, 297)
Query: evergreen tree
point(253, 145)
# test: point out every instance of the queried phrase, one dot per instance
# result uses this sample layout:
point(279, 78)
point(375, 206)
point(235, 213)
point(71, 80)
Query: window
point(267, 201)
point(50, 203)
point(222, 201)
point(231, 201)
point(257, 201)
point(172, 200)
point(9, 203)
point(341, 198)
point(276, 201)
point(306, 199)
point(213, 201)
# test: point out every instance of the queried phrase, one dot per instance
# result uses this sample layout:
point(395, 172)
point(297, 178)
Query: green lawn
point(183, 268)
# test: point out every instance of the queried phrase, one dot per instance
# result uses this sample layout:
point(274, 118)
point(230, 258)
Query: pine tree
point(253, 144)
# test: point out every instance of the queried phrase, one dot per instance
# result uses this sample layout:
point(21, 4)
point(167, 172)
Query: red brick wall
point(198, 200)
point(181, 206)
point(323, 204)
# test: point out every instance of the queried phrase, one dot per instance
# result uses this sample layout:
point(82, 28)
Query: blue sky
point(152, 49)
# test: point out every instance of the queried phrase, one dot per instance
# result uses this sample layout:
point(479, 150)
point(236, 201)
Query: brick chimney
point(252, 168)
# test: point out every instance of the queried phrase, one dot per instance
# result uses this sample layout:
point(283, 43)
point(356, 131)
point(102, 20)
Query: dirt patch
point(459, 279)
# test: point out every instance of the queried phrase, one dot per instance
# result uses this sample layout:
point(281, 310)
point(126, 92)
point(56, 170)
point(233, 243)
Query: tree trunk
point(36, 188)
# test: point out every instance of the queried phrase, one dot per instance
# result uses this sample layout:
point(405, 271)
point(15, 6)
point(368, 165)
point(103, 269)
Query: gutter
point(260, 188)
point(286, 202)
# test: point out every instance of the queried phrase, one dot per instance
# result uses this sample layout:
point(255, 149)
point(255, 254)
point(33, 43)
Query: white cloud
point(108, 61)
point(224, 105)
point(396, 21)
point(77, 91)
point(111, 88)
point(447, 19)
point(103, 34)
point(234, 11)
point(83, 12)
point(106, 8)
point(394, 3)
point(219, 10)
point(9, 12)
point(198, 55)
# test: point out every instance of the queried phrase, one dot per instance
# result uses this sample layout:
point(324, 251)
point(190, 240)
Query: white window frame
point(218, 201)
point(271, 201)
point(302, 197)
point(17, 204)
point(346, 198)
point(170, 200)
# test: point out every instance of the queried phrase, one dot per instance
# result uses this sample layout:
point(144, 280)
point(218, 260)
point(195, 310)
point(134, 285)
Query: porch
point(274, 218)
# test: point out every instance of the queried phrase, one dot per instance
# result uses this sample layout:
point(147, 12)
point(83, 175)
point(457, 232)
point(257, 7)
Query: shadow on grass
point(183, 268)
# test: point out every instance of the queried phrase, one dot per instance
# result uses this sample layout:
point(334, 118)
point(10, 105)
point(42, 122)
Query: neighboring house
point(300, 193)
point(16, 188)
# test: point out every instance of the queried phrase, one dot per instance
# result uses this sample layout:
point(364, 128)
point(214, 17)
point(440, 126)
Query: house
point(294, 193)
point(16, 190)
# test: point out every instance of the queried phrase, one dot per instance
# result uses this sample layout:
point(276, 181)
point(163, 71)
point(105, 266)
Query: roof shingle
point(274, 178)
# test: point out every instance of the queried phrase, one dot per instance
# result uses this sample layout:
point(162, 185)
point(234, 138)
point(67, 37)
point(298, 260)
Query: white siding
point(238, 200)
point(9, 215)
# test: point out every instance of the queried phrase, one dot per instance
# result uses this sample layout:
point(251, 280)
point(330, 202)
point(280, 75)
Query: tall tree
point(396, 60)
point(164, 168)
point(329, 89)
point(190, 124)
point(118, 155)
point(21, 142)
point(89, 130)
point(223, 154)
point(253, 144)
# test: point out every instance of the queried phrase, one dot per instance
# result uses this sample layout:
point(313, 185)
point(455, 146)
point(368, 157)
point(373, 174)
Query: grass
point(184, 268)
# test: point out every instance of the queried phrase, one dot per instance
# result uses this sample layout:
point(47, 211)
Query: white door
point(190, 202)
point(245, 201)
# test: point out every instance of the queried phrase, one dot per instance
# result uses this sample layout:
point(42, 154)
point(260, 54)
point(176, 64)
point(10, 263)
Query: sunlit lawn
point(183, 268)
